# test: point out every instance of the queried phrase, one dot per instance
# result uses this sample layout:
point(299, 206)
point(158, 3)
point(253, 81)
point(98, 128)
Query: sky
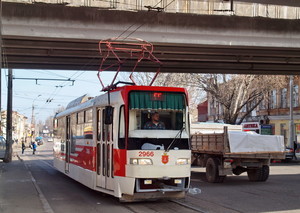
point(27, 92)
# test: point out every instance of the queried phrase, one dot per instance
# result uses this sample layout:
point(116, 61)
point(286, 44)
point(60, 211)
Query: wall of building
point(20, 126)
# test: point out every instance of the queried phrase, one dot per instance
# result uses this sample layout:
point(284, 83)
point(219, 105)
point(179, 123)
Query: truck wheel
point(258, 174)
point(265, 171)
point(212, 171)
point(254, 174)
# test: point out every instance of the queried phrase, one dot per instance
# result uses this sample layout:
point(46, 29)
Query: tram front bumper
point(153, 171)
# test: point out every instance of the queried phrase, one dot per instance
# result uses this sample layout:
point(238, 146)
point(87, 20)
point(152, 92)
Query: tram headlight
point(182, 161)
point(141, 161)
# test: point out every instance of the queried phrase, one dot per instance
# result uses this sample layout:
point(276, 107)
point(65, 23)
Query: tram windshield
point(155, 118)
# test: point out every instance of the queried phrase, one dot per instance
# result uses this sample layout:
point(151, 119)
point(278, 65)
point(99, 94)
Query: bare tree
point(196, 94)
point(235, 92)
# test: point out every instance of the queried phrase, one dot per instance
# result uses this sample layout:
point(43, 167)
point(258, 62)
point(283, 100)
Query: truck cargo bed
point(218, 144)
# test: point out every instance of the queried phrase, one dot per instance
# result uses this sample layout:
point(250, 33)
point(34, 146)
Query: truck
point(213, 151)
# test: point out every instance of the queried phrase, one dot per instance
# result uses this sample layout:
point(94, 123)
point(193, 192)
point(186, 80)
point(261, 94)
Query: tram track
point(197, 209)
point(179, 205)
point(152, 206)
point(166, 206)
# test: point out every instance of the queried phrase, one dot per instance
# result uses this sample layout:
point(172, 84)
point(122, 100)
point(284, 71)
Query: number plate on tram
point(146, 154)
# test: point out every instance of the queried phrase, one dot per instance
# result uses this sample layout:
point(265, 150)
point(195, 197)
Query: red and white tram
point(107, 148)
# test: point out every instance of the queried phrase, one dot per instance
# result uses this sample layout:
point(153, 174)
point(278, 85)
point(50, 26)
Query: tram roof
point(83, 102)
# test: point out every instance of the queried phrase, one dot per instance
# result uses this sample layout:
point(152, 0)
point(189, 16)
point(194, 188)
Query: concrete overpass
point(47, 36)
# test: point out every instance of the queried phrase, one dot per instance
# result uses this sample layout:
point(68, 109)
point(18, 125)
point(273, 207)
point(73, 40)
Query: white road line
point(46, 205)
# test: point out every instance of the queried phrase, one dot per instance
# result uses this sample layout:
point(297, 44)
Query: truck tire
point(253, 174)
point(212, 171)
point(258, 174)
point(265, 171)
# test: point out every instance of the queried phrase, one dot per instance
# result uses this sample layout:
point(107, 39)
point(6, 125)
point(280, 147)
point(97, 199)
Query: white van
point(2, 147)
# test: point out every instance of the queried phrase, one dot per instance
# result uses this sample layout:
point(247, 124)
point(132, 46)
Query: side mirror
point(109, 110)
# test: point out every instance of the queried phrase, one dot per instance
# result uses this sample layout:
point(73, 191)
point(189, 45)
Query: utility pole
point(0, 67)
point(32, 122)
point(8, 154)
point(291, 126)
point(33, 119)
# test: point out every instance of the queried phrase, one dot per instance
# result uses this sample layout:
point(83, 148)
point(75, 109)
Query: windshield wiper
point(173, 141)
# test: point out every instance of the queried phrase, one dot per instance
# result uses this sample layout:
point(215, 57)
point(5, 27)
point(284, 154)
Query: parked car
point(2, 147)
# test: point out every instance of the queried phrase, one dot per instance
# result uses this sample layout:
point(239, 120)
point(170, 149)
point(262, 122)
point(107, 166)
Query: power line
point(158, 10)
point(45, 79)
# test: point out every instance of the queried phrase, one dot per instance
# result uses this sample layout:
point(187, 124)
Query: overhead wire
point(142, 24)
point(77, 74)
point(135, 24)
point(56, 91)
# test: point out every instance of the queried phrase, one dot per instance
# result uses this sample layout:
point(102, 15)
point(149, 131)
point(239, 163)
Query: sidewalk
point(18, 193)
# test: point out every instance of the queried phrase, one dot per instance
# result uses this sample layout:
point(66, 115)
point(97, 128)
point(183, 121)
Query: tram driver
point(155, 123)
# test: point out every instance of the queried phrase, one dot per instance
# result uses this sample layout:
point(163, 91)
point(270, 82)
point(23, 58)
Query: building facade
point(20, 126)
point(273, 110)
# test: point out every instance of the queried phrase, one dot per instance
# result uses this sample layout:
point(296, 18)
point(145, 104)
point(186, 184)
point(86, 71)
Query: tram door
point(68, 143)
point(104, 152)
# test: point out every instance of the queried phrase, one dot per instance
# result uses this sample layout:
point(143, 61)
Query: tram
point(107, 147)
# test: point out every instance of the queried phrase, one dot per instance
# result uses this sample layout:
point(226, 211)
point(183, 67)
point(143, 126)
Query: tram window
point(171, 119)
point(98, 124)
point(60, 128)
point(89, 116)
point(99, 159)
point(88, 131)
point(112, 126)
point(88, 126)
point(121, 141)
point(73, 135)
point(73, 143)
point(103, 160)
point(80, 117)
point(108, 160)
point(103, 126)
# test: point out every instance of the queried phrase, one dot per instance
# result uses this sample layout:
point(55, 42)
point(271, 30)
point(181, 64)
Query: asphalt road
point(61, 194)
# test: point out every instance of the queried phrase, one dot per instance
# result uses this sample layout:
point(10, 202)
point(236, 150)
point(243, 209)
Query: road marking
point(46, 205)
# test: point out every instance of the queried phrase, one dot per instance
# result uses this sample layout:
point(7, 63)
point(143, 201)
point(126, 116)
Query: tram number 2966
point(146, 154)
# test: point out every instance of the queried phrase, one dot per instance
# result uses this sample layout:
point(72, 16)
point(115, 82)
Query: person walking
point(34, 148)
point(23, 147)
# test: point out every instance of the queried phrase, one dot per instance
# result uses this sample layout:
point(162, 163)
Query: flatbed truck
point(212, 151)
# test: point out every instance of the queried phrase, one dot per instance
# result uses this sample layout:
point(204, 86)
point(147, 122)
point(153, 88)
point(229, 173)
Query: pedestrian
point(295, 149)
point(33, 148)
point(23, 147)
